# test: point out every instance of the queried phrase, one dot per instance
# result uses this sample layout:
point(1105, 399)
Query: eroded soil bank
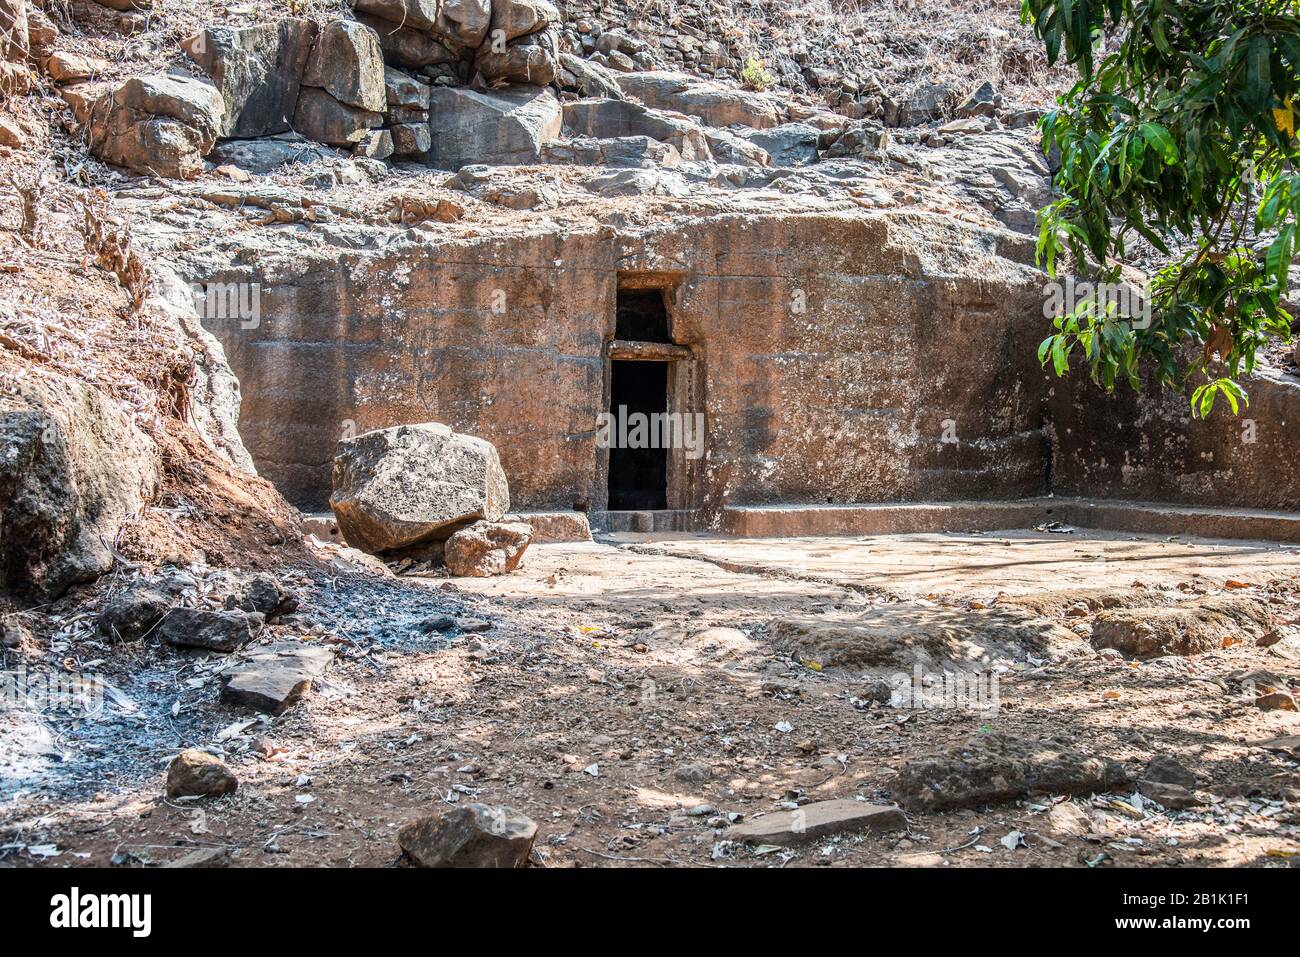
point(635, 702)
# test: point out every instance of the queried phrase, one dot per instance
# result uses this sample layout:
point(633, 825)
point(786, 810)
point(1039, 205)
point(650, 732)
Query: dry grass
point(60, 307)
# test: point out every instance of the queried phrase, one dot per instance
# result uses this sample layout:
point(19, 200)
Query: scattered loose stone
point(984, 100)
point(1069, 819)
point(211, 630)
point(11, 134)
point(471, 835)
point(1172, 796)
point(815, 821)
point(71, 68)
point(263, 595)
point(436, 623)
point(694, 773)
point(274, 678)
point(487, 548)
point(195, 773)
point(1277, 701)
point(14, 632)
point(134, 612)
point(1166, 769)
point(1287, 744)
point(1258, 681)
point(204, 857)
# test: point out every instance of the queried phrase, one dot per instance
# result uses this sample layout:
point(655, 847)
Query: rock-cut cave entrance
point(644, 375)
point(638, 471)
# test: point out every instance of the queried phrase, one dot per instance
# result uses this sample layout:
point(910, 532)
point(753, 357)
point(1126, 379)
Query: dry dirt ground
point(629, 698)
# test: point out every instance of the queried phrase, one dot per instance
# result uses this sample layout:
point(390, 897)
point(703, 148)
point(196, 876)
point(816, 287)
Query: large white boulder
point(73, 470)
point(415, 484)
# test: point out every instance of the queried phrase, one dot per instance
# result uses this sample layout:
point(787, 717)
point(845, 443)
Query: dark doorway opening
point(640, 316)
point(638, 477)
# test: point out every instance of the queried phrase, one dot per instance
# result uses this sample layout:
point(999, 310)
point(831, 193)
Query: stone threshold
point(1153, 518)
point(646, 521)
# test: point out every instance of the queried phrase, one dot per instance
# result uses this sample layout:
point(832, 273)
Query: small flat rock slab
point(1287, 744)
point(273, 678)
point(1173, 796)
point(203, 857)
point(815, 821)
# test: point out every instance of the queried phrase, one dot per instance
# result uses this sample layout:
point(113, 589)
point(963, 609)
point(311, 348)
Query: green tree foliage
point(1181, 129)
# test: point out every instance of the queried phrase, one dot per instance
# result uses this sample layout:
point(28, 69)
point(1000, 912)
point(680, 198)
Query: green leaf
point(1257, 72)
point(1152, 140)
point(1277, 261)
point(1043, 349)
point(1289, 46)
point(1059, 363)
point(1158, 137)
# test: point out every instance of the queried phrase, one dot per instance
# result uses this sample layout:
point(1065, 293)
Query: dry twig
point(109, 242)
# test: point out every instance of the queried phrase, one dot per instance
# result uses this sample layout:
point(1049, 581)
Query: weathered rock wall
point(1147, 446)
point(831, 353)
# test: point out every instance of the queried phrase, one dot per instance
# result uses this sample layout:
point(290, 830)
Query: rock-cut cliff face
point(836, 354)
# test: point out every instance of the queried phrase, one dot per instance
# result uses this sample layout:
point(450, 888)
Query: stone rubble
point(487, 548)
point(133, 613)
point(209, 630)
point(994, 768)
point(272, 678)
point(14, 632)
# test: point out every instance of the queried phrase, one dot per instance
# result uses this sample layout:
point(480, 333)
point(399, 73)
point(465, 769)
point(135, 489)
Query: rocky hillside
point(342, 108)
point(839, 51)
